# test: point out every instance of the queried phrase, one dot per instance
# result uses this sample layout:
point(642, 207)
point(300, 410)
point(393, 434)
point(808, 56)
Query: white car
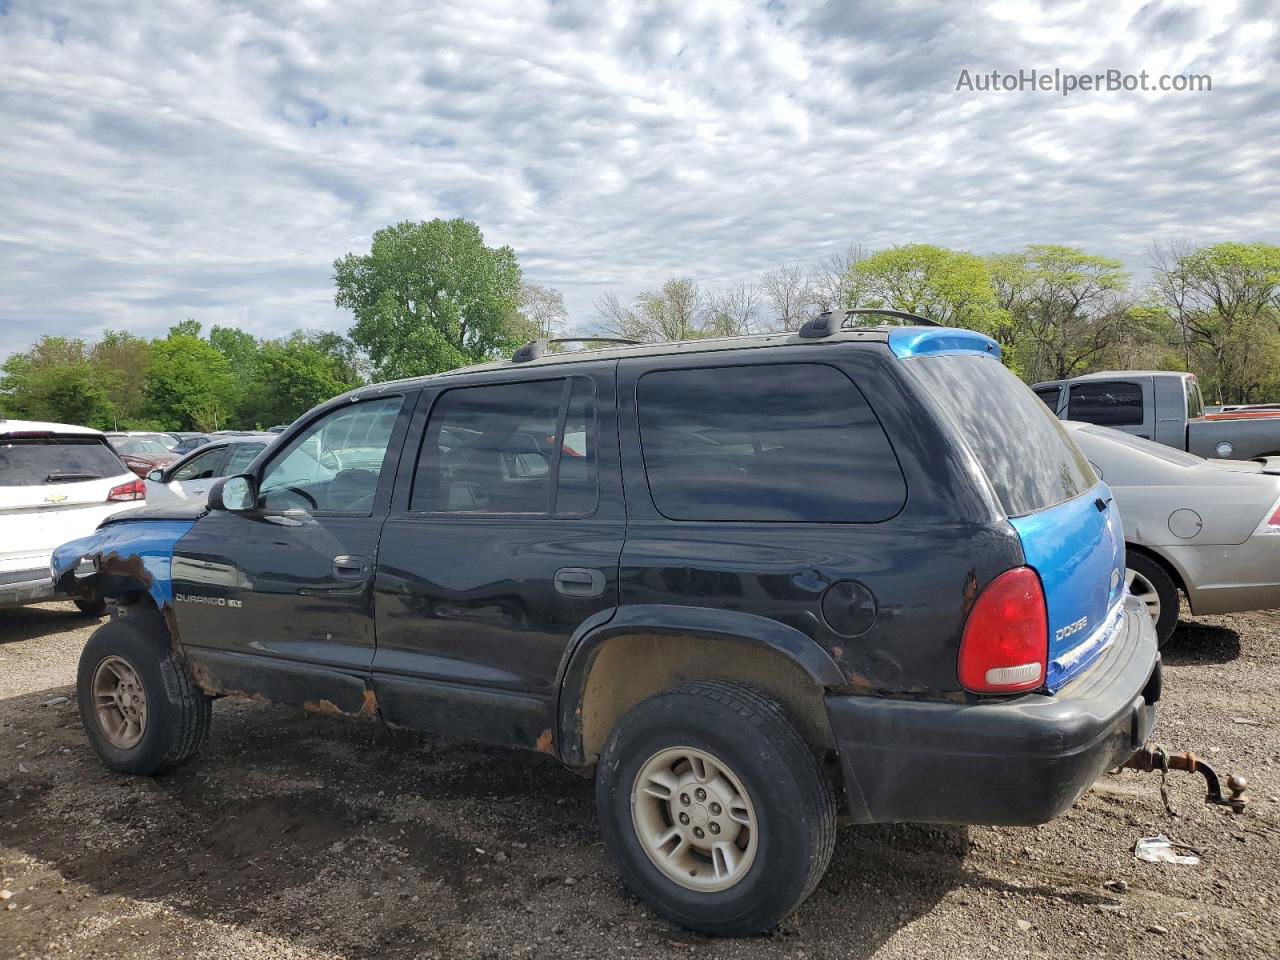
point(191, 477)
point(57, 482)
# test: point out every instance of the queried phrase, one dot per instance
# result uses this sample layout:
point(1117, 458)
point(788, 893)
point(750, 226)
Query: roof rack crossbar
point(825, 323)
point(537, 348)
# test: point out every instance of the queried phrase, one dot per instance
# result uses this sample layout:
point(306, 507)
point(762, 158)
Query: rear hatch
point(53, 488)
point(1063, 514)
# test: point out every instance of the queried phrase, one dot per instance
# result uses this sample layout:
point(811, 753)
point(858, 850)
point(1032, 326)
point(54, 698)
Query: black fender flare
point(674, 620)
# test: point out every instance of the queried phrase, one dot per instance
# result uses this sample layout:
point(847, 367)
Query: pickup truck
point(1164, 406)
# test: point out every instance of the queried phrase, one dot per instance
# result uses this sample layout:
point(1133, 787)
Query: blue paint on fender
point(1078, 551)
point(927, 341)
point(151, 541)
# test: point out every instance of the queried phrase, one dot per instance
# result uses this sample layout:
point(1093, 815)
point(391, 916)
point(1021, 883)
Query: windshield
point(140, 446)
point(29, 462)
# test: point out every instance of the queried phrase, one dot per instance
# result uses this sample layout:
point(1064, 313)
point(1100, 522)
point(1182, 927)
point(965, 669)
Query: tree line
point(432, 296)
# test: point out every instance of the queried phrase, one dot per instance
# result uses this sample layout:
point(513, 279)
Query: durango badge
point(212, 601)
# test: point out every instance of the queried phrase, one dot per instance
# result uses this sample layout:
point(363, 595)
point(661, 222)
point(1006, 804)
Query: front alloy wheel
point(694, 819)
point(120, 703)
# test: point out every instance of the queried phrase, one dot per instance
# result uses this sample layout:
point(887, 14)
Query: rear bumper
point(1227, 579)
point(1015, 762)
point(25, 586)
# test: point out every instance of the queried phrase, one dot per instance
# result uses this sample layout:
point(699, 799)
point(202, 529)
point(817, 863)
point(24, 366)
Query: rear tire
point(94, 607)
point(1147, 580)
point(140, 709)
point(714, 757)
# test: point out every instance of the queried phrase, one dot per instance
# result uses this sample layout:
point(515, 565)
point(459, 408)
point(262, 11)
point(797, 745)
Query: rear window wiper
point(69, 477)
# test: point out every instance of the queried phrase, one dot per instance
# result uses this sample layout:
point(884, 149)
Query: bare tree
point(733, 311)
point(787, 291)
point(834, 283)
point(543, 308)
point(672, 312)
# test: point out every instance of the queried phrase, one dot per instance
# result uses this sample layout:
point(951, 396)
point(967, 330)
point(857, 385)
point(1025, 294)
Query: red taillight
point(1006, 638)
point(136, 490)
point(1275, 518)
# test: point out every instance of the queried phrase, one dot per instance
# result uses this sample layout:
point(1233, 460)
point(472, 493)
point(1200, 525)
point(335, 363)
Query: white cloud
point(211, 160)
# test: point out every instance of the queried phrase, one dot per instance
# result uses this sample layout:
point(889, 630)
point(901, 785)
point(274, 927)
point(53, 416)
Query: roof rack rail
point(537, 348)
point(824, 325)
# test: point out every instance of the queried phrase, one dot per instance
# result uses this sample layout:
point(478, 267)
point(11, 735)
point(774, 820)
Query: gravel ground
point(294, 835)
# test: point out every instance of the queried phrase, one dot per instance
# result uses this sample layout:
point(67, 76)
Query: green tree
point(430, 297)
point(190, 384)
point(185, 328)
point(122, 361)
point(298, 372)
point(1224, 304)
point(1062, 309)
point(950, 287)
point(55, 380)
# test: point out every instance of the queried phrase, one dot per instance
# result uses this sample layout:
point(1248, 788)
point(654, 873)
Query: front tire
point(140, 709)
point(1150, 582)
point(715, 808)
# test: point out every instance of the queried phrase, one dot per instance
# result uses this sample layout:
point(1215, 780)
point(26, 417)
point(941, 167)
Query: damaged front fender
point(119, 559)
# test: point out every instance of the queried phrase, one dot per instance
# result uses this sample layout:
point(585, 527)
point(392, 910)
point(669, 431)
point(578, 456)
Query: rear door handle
point(579, 582)
point(351, 568)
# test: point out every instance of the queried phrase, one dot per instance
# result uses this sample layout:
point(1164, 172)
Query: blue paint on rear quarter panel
point(925, 341)
point(1078, 551)
point(151, 541)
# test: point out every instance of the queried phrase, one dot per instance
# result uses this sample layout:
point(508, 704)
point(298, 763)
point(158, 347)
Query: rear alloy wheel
point(715, 807)
point(694, 819)
point(1150, 583)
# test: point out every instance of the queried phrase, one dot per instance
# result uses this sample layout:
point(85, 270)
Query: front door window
point(334, 466)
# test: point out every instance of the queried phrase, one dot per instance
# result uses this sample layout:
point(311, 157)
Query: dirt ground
point(301, 836)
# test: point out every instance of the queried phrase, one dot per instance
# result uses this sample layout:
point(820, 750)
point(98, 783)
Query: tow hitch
point(1159, 759)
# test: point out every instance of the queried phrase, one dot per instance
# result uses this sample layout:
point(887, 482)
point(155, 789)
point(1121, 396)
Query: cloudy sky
point(175, 158)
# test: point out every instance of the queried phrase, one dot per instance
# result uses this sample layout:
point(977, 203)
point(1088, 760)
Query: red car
point(141, 453)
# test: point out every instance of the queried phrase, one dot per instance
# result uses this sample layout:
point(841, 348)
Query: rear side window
point(1195, 403)
point(32, 461)
point(1050, 396)
point(767, 442)
point(513, 448)
point(1106, 403)
point(1022, 447)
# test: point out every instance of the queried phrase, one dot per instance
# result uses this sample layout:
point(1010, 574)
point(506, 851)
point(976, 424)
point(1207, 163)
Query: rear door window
point(1022, 447)
point(1106, 403)
point(33, 461)
point(202, 466)
point(242, 454)
point(765, 442)
point(524, 448)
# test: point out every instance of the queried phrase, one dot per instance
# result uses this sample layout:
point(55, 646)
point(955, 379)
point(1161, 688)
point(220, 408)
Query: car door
point(503, 541)
point(189, 480)
point(277, 600)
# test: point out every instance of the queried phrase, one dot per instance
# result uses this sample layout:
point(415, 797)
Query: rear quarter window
point(1021, 446)
point(765, 442)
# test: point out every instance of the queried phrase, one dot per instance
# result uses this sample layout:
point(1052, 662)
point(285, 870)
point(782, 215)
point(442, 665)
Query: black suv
point(750, 584)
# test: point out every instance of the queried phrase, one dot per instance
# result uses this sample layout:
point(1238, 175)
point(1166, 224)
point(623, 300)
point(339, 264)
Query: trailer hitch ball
point(1161, 760)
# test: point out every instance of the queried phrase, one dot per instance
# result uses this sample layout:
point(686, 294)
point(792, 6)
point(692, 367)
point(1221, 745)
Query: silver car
point(1210, 528)
point(191, 477)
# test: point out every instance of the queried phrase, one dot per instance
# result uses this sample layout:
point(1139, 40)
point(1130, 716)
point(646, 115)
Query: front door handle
point(351, 568)
point(579, 582)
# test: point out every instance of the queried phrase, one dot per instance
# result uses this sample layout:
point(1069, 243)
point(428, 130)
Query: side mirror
point(156, 475)
point(237, 493)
